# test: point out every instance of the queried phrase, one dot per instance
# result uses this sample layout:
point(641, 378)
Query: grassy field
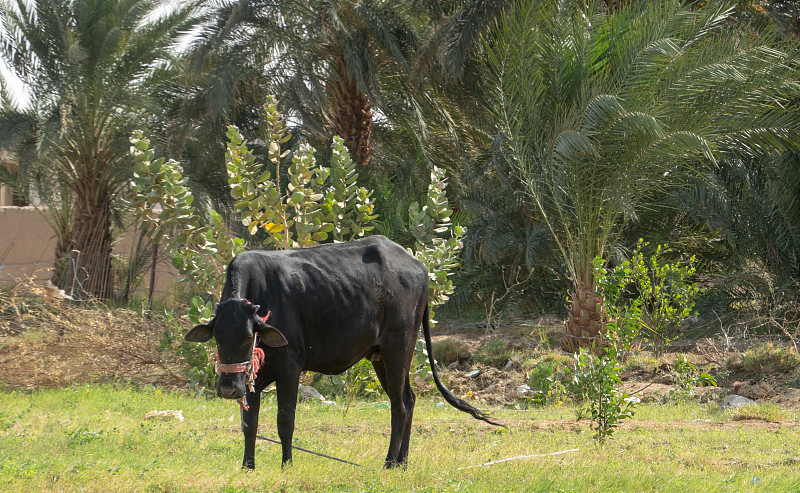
point(96, 438)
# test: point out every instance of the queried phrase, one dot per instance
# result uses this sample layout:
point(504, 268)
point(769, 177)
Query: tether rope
point(309, 451)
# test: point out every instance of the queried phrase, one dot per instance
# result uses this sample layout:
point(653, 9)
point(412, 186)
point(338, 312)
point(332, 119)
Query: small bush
point(686, 377)
point(494, 353)
point(447, 351)
point(549, 383)
point(641, 363)
point(765, 411)
point(768, 358)
point(201, 369)
point(557, 358)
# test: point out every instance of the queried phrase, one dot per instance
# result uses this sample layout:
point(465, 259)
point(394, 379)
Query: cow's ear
point(201, 333)
point(271, 336)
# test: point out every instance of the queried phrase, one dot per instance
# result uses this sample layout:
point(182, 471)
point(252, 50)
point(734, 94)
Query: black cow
point(328, 306)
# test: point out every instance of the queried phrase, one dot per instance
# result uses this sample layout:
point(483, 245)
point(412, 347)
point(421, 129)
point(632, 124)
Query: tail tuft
point(451, 399)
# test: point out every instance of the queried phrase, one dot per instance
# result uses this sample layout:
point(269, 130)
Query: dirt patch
point(645, 376)
point(50, 343)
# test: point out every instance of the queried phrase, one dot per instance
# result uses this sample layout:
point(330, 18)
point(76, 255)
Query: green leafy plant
point(683, 378)
point(437, 240)
point(437, 245)
point(318, 204)
point(200, 371)
point(161, 200)
point(667, 292)
point(360, 381)
point(595, 377)
point(605, 403)
point(621, 314)
point(547, 383)
point(686, 377)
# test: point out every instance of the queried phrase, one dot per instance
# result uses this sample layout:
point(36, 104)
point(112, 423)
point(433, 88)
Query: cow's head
point(233, 327)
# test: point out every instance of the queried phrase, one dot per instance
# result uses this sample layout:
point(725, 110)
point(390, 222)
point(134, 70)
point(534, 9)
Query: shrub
point(450, 350)
point(494, 353)
point(764, 411)
point(200, 371)
point(666, 293)
point(597, 378)
point(768, 358)
point(548, 382)
point(686, 377)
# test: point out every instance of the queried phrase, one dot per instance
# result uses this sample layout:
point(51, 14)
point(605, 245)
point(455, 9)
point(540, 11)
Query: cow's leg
point(287, 404)
point(250, 424)
point(409, 399)
point(250, 429)
point(393, 383)
point(380, 371)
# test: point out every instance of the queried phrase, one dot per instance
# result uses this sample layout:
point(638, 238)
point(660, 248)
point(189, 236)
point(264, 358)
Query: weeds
point(686, 377)
point(494, 353)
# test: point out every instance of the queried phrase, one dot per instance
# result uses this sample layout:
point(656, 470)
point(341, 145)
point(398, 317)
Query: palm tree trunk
point(585, 317)
point(352, 117)
point(60, 264)
point(91, 233)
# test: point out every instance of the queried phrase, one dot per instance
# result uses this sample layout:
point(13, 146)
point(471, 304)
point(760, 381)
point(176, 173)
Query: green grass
point(95, 438)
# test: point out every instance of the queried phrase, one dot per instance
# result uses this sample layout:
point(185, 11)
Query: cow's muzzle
point(230, 387)
point(230, 391)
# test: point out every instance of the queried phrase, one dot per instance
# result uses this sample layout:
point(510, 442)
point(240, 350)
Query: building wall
point(27, 249)
point(6, 198)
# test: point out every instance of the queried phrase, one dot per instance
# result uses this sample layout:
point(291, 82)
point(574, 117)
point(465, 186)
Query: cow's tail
point(451, 399)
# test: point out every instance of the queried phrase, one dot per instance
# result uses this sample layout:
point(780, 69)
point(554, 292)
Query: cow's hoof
point(249, 464)
point(392, 464)
point(286, 464)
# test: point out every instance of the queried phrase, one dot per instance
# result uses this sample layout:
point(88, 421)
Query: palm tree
point(601, 109)
point(90, 66)
point(329, 62)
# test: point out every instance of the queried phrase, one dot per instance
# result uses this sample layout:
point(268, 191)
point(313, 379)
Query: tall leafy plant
point(163, 203)
point(318, 203)
point(667, 292)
